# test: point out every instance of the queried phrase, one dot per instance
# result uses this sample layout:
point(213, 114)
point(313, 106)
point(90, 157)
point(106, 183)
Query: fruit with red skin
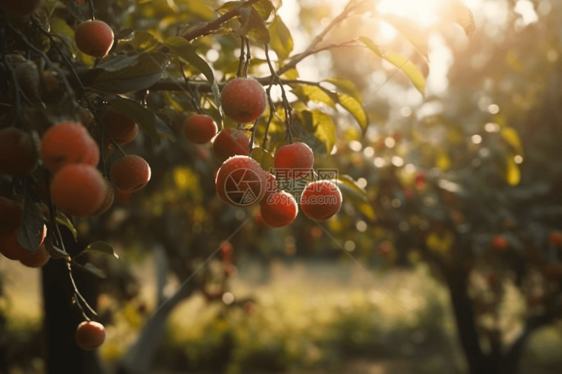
point(230, 142)
point(249, 308)
point(499, 242)
point(19, 8)
point(78, 189)
point(36, 259)
point(226, 252)
point(12, 249)
point(68, 143)
point(243, 100)
point(120, 127)
point(279, 210)
point(200, 128)
point(94, 38)
point(241, 182)
point(555, 238)
point(321, 200)
point(271, 185)
point(10, 216)
point(420, 180)
point(107, 201)
point(294, 160)
point(90, 335)
point(131, 173)
point(17, 153)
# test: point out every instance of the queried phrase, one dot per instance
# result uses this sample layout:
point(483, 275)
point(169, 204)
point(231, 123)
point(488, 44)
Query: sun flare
point(423, 12)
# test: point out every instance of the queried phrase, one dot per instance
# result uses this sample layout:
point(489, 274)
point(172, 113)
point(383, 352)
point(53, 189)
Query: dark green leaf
point(281, 39)
point(91, 268)
point(63, 220)
point(30, 231)
point(54, 251)
point(131, 73)
point(101, 247)
point(253, 26)
point(125, 34)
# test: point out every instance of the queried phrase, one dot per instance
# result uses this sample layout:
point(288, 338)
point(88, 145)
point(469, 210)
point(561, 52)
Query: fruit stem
point(271, 114)
point(286, 104)
point(92, 10)
point(242, 57)
point(251, 147)
point(248, 57)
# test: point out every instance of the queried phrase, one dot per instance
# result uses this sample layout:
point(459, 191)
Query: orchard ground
point(317, 316)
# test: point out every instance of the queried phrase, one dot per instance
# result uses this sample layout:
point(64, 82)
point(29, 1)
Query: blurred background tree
point(451, 185)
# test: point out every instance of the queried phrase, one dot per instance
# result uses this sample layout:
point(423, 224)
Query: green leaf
point(91, 268)
point(30, 231)
point(513, 174)
point(264, 158)
point(346, 182)
point(281, 39)
point(145, 118)
point(346, 86)
point(415, 34)
point(372, 46)
point(228, 6)
point(54, 251)
point(458, 12)
point(101, 247)
point(253, 26)
point(142, 41)
point(411, 71)
point(186, 52)
point(62, 219)
point(318, 131)
point(264, 8)
point(131, 73)
point(355, 108)
point(314, 93)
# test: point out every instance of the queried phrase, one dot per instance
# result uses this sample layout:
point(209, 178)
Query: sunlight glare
point(423, 12)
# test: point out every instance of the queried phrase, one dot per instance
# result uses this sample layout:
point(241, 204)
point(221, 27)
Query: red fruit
point(68, 143)
point(90, 335)
point(243, 100)
point(94, 38)
point(499, 242)
point(294, 160)
point(321, 200)
point(11, 248)
point(36, 259)
point(78, 189)
point(271, 185)
point(279, 210)
point(17, 153)
point(131, 173)
point(226, 252)
point(420, 180)
point(10, 216)
point(249, 308)
point(19, 8)
point(241, 182)
point(107, 201)
point(120, 127)
point(200, 129)
point(555, 238)
point(230, 142)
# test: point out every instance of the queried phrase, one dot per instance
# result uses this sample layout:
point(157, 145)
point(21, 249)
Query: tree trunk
point(61, 317)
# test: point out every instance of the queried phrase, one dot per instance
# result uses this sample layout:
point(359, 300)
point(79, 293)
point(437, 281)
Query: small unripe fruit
point(294, 160)
point(107, 201)
point(78, 189)
point(19, 8)
point(243, 100)
point(321, 200)
point(12, 249)
point(499, 242)
point(230, 142)
point(555, 238)
point(200, 129)
point(131, 173)
point(279, 210)
point(10, 216)
point(17, 153)
point(94, 38)
point(29, 80)
point(68, 143)
point(241, 182)
point(90, 335)
point(36, 259)
point(120, 127)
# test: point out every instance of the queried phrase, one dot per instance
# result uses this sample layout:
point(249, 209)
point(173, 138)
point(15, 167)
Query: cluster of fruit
point(241, 181)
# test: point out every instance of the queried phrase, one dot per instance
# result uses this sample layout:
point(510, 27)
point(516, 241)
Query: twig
point(80, 297)
point(251, 146)
point(242, 57)
point(248, 57)
point(271, 114)
point(286, 104)
point(214, 25)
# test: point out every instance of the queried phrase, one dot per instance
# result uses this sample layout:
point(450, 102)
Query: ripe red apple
point(243, 100)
